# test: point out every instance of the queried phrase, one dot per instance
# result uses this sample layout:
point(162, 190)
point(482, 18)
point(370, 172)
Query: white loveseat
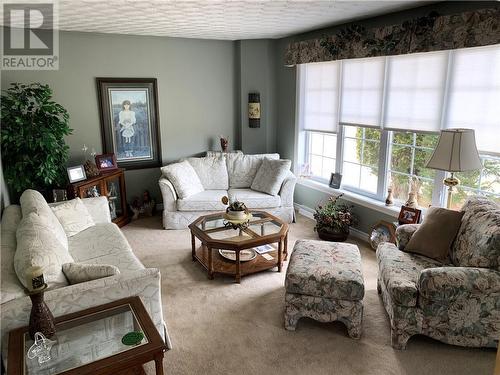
point(102, 243)
point(221, 175)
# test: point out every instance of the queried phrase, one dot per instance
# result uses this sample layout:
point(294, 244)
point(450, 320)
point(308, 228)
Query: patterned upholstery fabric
point(324, 282)
point(399, 271)
point(184, 178)
point(209, 200)
point(254, 199)
point(404, 233)
point(456, 305)
point(97, 208)
point(212, 172)
point(73, 216)
point(80, 272)
point(243, 168)
point(478, 240)
point(271, 175)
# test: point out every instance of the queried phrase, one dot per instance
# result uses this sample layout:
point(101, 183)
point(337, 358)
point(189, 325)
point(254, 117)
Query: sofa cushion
point(37, 245)
point(33, 201)
point(254, 199)
point(126, 261)
point(271, 175)
point(97, 241)
point(400, 272)
point(80, 272)
point(184, 178)
point(325, 269)
point(208, 200)
point(478, 239)
point(212, 172)
point(73, 216)
point(243, 168)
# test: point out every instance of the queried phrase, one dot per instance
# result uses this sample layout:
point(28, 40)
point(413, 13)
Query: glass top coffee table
point(90, 342)
point(214, 234)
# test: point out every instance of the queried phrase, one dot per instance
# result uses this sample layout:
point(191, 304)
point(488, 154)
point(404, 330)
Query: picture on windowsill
point(409, 215)
point(335, 180)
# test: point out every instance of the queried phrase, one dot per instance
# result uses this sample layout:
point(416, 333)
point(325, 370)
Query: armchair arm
point(450, 283)
point(404, 233)
point(168, 194)
point(287, 189)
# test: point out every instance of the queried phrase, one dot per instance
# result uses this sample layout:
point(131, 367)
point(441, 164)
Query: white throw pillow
point(81, 272)
point(212, 172)
point(73, 216)
point(184, 178)
point(37, 245)
point(33, 201)
point(271, 175)
point(243, 168)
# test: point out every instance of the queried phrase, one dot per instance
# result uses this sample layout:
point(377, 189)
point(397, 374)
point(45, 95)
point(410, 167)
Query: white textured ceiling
point(216, 19)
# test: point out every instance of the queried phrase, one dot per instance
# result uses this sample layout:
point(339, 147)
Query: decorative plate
point(245, 255)
point(238, 221)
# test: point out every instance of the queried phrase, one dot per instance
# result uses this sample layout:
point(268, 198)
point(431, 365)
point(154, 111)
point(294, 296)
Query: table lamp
point(456, 152)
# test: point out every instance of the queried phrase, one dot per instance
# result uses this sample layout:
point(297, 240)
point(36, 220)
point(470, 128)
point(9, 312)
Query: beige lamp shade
point(456, 151)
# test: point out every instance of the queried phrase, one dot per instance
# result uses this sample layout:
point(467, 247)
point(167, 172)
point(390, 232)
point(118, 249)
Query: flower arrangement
point(334, 218)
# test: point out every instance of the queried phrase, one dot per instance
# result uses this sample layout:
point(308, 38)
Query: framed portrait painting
point(129, 121)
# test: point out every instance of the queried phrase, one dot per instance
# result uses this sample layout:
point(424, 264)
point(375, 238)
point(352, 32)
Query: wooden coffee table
point(263, 229)
point(89, 342)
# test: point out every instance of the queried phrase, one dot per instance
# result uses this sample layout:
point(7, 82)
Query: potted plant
point(333, 220)
point(236, 210)
point(34, 153)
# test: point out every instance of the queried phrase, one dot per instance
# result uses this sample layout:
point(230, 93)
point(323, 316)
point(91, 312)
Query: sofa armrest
point(451, 283)
point(168, 194)
point(98, 209)
point(144, 283)
point(404, 233)
point(287, 190)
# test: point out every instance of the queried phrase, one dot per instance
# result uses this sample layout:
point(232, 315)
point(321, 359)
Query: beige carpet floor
point(219, 327)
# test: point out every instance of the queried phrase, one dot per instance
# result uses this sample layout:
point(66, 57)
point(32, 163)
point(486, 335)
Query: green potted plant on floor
point(333, 220)
point(34, 153)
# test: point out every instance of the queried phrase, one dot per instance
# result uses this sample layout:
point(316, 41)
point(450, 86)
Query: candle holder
point(41, 319)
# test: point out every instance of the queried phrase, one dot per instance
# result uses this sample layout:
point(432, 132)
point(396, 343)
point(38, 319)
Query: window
point(408, 154)
point(377, 121)
point(361, 158)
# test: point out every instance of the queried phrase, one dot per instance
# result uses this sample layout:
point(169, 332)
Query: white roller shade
point(474, 95)
point(415, 90)
point(362, 91)
point(319, 96)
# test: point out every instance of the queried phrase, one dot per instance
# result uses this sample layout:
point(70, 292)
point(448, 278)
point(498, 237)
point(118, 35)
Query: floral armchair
point(457, 302)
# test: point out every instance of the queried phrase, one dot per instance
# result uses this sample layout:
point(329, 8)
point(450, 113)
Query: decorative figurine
point(148, 204)
point(389, 201)
point(413, 193)
point(224, 143)
point(135, 208)
point(41, 348)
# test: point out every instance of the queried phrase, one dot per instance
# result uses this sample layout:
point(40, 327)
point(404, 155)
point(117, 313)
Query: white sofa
point(102, 243)
point(232, 177)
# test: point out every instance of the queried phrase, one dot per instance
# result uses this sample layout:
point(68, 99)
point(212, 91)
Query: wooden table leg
point(210, 264)
point(280, 255)
point(193, 246)
point(159, 364)
point(286, 245)
point(238, 270)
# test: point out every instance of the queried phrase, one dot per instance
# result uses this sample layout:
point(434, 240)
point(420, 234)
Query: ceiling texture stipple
point(218, 19)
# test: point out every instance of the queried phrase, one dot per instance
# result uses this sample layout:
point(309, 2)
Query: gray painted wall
point(197, 91)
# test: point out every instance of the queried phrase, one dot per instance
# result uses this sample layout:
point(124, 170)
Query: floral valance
point(430, 33)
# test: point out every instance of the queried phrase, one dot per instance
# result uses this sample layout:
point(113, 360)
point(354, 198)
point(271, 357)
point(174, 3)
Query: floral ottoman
point(324, 282)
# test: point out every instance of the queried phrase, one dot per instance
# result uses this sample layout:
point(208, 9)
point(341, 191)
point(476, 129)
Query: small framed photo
point(409, 215)
point(76, 173)
point(106, 162)
point(335, 180)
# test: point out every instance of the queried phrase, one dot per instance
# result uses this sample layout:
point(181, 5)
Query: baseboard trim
point(309, 212)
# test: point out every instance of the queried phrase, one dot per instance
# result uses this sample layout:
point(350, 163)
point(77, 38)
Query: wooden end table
point(89, 342)
point(263, 229)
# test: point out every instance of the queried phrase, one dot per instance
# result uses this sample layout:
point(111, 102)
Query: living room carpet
point(220, 327)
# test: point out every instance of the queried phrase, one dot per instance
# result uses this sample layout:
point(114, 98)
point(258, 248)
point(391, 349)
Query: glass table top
point(84, 340)
point(261, 224)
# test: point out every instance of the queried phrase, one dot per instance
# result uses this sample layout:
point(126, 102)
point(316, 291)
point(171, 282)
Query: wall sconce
point(254, 110)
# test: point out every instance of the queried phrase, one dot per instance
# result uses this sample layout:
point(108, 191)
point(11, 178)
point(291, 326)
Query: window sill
point(351, 197)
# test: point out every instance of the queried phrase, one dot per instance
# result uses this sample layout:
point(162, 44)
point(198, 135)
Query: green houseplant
point(34, 153)
point(333, 220)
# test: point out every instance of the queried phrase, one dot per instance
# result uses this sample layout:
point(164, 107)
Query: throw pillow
point(243, 168)
point(80, 272)
point(184, 178)
point(33, 201)
point(212, 172)
point(436, 234)
point(37, 245)
point(73, 216)
point(271, 175)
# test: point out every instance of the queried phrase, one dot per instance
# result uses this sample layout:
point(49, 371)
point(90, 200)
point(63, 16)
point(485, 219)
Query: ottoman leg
point(379, 288)
point(399, 339)
point(291, 318)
